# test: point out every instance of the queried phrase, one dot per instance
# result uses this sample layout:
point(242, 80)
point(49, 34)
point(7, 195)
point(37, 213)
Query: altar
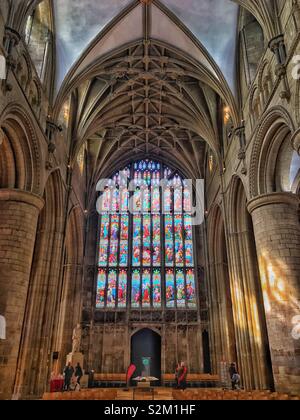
point(145, 381)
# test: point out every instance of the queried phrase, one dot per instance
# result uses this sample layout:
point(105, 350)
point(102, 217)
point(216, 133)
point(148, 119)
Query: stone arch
point(252, 39)
point(255, 104)
point(70, 304)
point(146, 342)
point(275, 126)
point(37, 34)
point(43, 294)
point(149, 327)
point(221, 316)
point(24, 71)
point(249, 317)
point(20, 165)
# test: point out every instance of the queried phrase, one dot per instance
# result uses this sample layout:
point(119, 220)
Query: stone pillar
point(19, 212)
point(277, 235)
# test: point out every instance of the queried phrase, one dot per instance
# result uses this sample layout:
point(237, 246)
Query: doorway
point(146, 353)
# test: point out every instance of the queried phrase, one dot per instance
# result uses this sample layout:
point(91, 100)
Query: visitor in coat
point(68, 373)
point(78, 373)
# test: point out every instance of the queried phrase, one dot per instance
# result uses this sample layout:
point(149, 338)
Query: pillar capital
point(22, 197)
point(273, 198)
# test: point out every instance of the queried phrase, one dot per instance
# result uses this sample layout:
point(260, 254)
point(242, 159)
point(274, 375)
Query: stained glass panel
point(112, 289)
point(103, 248)
point(136, 250)
point(156, 241)
point(124, 227)
point(190, 289)
point(169, 245)
point(170, 289)
point(155, 200)
point(101, 287)
point(146, 240)
point(188, 231)
point(146, 289)
point(187, 200)
point(124, 199)
point(180, 289)
point(106, 200)
point(169, 228)
point(137, 201)
point(146, 199)
point(167, 200)
point(115, 206)
point(189, 257)
point(135, 289)
point(114, 233)
point(122, 289)
point(156, 289)
point(104, 232)
point(179, 254)
point(123, 260)
point(113, 253)
point(178, 200)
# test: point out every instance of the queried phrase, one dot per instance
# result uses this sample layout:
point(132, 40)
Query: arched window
point(38, 36)
point(146, 245)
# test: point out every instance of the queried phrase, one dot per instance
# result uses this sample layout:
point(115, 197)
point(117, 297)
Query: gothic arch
point(22, 157)
point(69, 308)
point(222, 334)
point(249, 316)
point(44, 293)
point(153, 329)
point(275, 125)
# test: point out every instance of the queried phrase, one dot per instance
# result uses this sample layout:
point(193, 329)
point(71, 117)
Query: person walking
point(68, 373)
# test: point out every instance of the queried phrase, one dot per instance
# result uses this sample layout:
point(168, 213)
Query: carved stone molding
point(295, 141)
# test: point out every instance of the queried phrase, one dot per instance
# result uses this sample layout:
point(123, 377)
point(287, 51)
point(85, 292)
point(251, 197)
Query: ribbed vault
point(145, 100)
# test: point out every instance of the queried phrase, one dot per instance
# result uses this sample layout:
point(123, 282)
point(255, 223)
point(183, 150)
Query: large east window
point(146, 244)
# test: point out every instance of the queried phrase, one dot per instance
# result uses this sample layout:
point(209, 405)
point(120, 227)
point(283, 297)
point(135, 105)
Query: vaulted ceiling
point(147, 78)
point(212, 22)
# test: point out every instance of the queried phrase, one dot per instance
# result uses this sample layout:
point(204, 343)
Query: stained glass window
point(146, 245)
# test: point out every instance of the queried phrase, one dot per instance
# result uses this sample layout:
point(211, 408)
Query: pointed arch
point(20, 162)
point(275, 126)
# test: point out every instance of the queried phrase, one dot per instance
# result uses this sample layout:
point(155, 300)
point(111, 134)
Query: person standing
point(233, 375)
point(78, 373)
point(177, 373)
point(182, 376)
point(68, 373)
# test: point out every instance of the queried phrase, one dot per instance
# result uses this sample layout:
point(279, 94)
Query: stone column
point(19, 212)
point(277, 235)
